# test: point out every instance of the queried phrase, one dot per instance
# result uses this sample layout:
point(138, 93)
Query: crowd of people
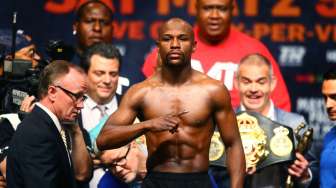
point(76, 131)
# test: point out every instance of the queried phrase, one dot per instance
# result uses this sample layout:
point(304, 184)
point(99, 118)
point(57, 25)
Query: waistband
point(178, 176)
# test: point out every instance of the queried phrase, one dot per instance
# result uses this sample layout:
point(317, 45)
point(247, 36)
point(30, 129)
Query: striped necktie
point(66, 143)
point(102, 110)
point(63, 135)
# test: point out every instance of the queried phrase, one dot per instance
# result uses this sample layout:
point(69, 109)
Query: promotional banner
point(301, 35)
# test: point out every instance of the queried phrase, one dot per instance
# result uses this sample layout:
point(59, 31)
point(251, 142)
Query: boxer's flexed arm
point(119, 129)
point(227, 126)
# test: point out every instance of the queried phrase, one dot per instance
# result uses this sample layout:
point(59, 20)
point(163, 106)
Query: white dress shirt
point(90, 118)
point(270, 113)
point(91, 114)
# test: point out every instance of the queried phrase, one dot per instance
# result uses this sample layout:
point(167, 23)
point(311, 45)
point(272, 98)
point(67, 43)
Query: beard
point(173, 62)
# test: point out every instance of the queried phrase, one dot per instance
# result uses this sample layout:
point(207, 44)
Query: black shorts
point(176, 180)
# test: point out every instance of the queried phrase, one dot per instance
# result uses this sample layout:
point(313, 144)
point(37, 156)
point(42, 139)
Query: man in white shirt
point(102, 63)
point(255, 82)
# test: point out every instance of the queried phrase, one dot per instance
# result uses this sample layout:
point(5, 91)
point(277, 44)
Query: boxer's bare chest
point(194, 100)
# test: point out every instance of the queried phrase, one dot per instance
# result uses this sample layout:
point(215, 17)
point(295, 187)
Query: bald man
point(178, 108)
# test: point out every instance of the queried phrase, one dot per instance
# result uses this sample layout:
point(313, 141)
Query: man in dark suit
point(255, 82)
point(39, 154)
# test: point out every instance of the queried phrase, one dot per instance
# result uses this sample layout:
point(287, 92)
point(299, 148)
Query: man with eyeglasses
point(41, 153)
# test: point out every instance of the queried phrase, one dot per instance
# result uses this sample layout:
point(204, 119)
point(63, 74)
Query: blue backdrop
point(300, 34)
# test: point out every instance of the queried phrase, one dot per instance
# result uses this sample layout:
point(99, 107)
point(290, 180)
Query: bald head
point(257, 60)
point(176, 24)
point(214, 19)
point(176, 42)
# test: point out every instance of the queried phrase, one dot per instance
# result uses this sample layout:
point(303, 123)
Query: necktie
point(63, 135)
point(95, 131)
point(102, 110)
point(65, 142)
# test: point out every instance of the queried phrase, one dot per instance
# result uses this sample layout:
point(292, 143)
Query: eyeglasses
point(123, 160)
point(79, 97)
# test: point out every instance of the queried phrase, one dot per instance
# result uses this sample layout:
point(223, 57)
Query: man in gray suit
point(255, 82)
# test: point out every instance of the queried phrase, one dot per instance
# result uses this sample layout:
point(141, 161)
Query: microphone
point(13, 34)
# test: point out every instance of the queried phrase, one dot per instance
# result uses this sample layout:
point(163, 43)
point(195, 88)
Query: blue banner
point(300, 34)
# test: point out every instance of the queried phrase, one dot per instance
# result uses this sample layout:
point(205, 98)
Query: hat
point(6, 40)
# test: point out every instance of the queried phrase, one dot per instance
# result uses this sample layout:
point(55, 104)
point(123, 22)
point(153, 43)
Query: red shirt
point(221, 62)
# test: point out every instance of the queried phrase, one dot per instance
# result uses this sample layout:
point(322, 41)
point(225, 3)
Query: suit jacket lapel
point(119, 97)
point(279, 117)
point(86, 135)
point(237, 110)
point(50, 125)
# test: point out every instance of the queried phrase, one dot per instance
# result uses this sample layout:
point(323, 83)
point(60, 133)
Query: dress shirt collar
point(270, 113)
point(91, 104)
point(51, 115)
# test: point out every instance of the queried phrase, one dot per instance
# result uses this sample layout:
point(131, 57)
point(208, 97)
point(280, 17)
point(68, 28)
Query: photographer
point(26, 52)
point(19, 74)
point(25, 49)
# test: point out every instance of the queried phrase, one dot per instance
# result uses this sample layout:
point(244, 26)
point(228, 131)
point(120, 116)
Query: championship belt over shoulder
point(265, 142)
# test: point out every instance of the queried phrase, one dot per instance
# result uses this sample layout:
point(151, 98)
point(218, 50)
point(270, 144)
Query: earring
point(74, 32)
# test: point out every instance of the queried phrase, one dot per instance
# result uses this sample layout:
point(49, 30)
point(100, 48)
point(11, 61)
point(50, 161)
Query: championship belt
point(216, 147)
point(265, 142)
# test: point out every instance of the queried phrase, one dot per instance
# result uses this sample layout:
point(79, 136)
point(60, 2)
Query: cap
point(6, 40)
